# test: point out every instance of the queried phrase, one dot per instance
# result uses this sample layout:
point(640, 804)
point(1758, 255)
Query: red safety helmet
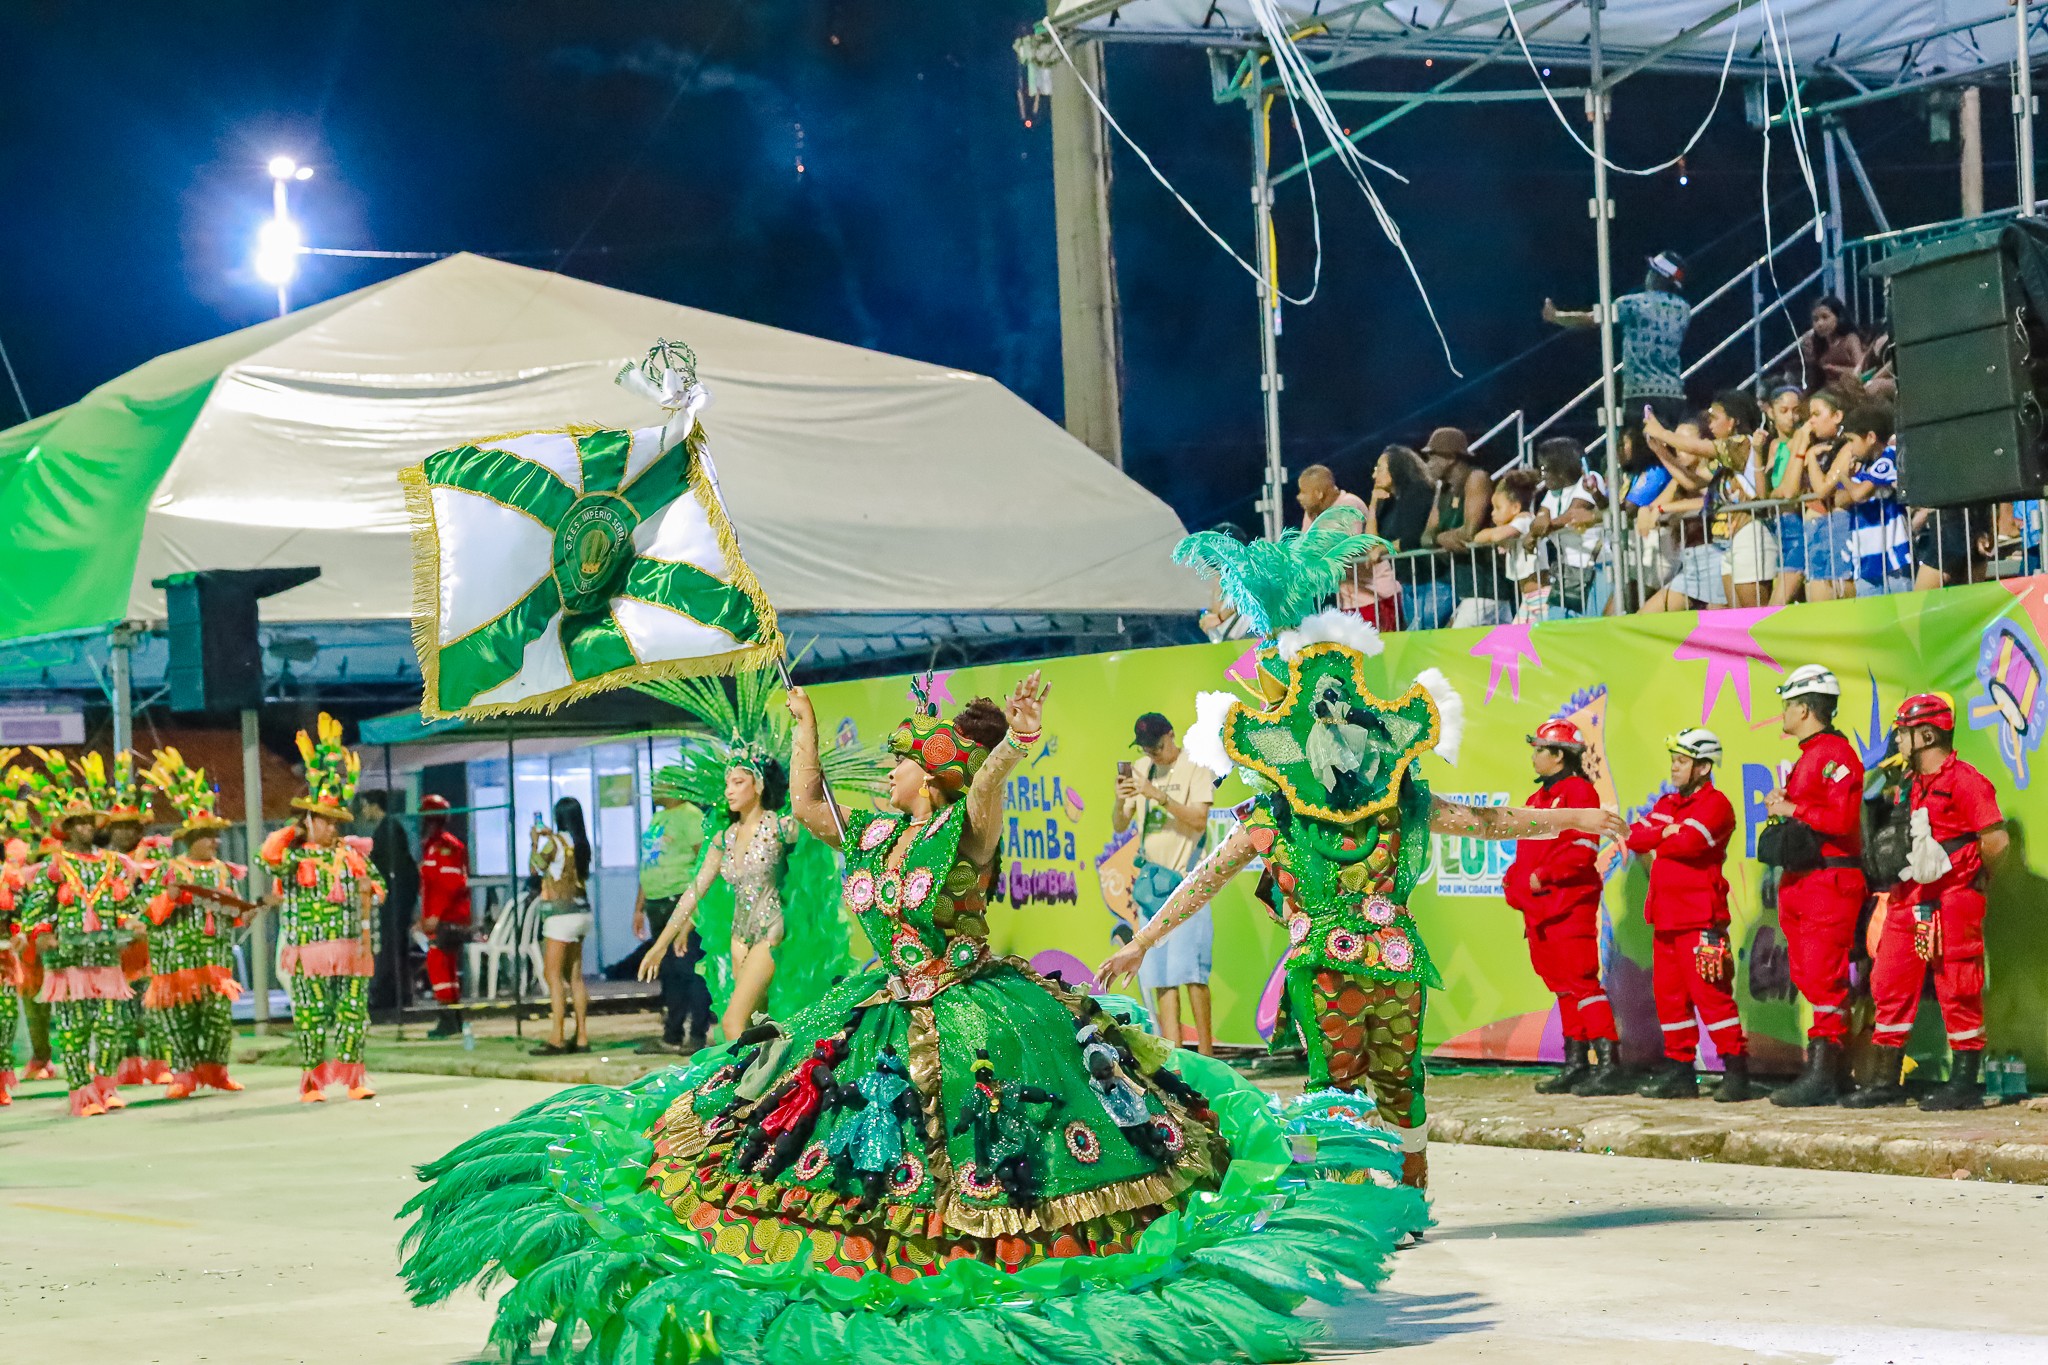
point(1559, 734)
point(434, 804)
point(1927, 708)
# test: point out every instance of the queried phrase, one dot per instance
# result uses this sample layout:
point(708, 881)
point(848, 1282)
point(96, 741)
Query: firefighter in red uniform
point(1686, 834)
point(1555, 883)
point(1936, 914)
point(1820, 896)
point(444, 908)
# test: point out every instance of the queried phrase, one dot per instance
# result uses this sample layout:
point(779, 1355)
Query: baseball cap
point(1149, 730)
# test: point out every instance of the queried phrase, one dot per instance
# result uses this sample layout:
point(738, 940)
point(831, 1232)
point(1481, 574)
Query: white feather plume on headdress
point(1205, 739)
point(1332, 625)
point(1450, 707)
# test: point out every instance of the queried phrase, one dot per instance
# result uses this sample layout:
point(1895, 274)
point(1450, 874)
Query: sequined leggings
point(10, 1020)
point(143, 1031)
point(198, 1033)
point(90, 1037)
point(1371, 1034)
point(330, 1015)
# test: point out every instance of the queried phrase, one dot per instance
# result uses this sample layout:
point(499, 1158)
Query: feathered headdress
point(127, 802)
point(190, 794)
point(332, 770)
point(65, 790)
point(1276, 584)
point(15, 812)
point(746, 731)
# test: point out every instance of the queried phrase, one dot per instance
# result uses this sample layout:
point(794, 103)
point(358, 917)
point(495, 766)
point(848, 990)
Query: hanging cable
point(15, 380)
point(1727, 64)
point(1254, 271)
point(1780, 62)
point(1298, 78)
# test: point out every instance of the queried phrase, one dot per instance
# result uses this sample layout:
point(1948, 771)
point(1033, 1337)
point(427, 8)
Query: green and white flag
point(553, 564)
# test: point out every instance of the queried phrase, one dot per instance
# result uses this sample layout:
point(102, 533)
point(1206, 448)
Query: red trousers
point(1817, 911)
point(444, 962)
point(1676, 982)
point(1899, 972)
point(1564, 948)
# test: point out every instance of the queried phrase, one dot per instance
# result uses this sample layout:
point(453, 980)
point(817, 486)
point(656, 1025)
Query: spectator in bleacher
point(1785, 473)
point(1464, 499)
point(1652, 325)
point(1369, 587)
point(1878, 534)
point(1570, 515)
point(1317, 491)
point(1830, 556)
point(1655, 546)
point(1402, 500)
point(1521, 554)
point(1832, 351)
point(1955, 544)
point(1728, 453)
point(1685, 505)
point(1222, 621)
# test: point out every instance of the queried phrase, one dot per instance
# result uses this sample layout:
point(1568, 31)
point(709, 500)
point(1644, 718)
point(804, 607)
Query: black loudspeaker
point(216, 660)
point(1970, 340)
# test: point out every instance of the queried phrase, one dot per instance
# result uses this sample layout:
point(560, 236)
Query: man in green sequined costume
point(1342, 819)
point(192, 913)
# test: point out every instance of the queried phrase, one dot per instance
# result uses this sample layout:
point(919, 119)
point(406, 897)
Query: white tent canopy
point(1873, 39)
point(860, 482)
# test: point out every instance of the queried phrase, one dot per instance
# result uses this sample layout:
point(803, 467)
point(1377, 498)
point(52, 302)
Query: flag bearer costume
point(327, 930)
point(192, 913)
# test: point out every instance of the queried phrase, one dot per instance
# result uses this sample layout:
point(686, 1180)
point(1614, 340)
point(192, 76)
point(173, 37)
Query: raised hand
point(800, 709)
point(1026, 707)
point(1123, 962)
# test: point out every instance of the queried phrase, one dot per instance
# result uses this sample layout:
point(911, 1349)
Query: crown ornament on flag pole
point(551, 565)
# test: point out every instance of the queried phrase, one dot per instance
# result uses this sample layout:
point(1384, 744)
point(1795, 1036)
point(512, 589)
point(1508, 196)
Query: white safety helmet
point(1696, 743)
point(1810, 680)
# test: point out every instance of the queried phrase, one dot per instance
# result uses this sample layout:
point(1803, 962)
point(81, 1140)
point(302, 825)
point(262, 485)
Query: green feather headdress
point(1276, 584)
point(748, 727)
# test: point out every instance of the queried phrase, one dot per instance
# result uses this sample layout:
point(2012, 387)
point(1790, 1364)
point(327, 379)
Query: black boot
point(1575, 1069)
point(1962, 1089)
point(1884, 1088)
point(1816, 1085)
point(448, 1025)
point(1671, 1081)
point(1735, 1086)
point(1608, 1076)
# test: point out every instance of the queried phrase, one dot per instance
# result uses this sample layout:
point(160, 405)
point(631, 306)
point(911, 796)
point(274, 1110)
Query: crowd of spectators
point(1763, 499)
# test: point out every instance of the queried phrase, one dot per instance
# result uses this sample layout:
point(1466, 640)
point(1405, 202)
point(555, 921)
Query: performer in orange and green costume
point(329, 893)
point(1342, 818)
point(194, 906)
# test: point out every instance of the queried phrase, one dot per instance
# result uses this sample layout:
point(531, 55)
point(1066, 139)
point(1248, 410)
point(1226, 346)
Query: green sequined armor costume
point(327, 953)
point(192, 985)
point(76, 905)
point(1017, 1219)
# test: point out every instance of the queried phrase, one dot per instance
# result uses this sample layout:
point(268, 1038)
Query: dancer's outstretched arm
point(1521, 822)
point(1196, 890)
point(677, 930)
point(1026, 714)
point(808, 799)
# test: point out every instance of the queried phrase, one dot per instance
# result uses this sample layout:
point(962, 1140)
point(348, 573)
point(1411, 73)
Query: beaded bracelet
point(1022, 743)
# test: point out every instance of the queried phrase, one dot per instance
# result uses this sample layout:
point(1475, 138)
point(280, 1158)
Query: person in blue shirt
point(1880, 541)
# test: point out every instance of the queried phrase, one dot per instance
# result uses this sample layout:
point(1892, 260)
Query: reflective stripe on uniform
point(1893, 1028)
point(1965, 1035)
point(1673, 1028)
point(1705, 833)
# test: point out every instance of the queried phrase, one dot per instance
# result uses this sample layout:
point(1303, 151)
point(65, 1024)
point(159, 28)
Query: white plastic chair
point(515, 934)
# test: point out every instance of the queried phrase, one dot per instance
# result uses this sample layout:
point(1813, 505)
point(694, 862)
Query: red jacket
point(444, 879)
point(1826, 792)
point(1960, 803)
point(1687, 888)
point(1565, 862)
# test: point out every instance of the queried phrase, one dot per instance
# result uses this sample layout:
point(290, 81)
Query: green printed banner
point(1629, 683)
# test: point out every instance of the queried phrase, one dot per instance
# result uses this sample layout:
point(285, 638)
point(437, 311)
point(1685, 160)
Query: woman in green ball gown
point(944, 1158)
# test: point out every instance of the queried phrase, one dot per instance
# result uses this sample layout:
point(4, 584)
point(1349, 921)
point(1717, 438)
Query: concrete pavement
point(251, 1228)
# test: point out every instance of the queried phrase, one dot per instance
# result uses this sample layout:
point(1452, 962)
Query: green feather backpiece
point(554, 1200)
point(1277, 584)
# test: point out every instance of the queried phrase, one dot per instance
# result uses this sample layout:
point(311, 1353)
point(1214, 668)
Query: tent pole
point(121, 664)
point(1831, 241)
point(2023, 112)
point(1598, 101)
point(259, 920)
point(512, 882)
point(1091, 358)
point(1272, 502)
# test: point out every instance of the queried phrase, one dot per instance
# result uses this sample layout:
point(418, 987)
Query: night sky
point(858, 170)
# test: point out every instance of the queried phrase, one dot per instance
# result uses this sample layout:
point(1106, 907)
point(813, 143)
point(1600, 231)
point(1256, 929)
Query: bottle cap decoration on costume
point(1559, 734)
point(127, 802)
point(1696, 743)
point(332, 770)
point(940, 749)
point(65, 790)
point(1927, 708)
point(190, 794)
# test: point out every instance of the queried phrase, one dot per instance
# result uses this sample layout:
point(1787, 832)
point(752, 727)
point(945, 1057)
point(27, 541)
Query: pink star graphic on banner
point(1246, 669)
point(1723, 639)
point(937, 688)
point(1505, 647)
